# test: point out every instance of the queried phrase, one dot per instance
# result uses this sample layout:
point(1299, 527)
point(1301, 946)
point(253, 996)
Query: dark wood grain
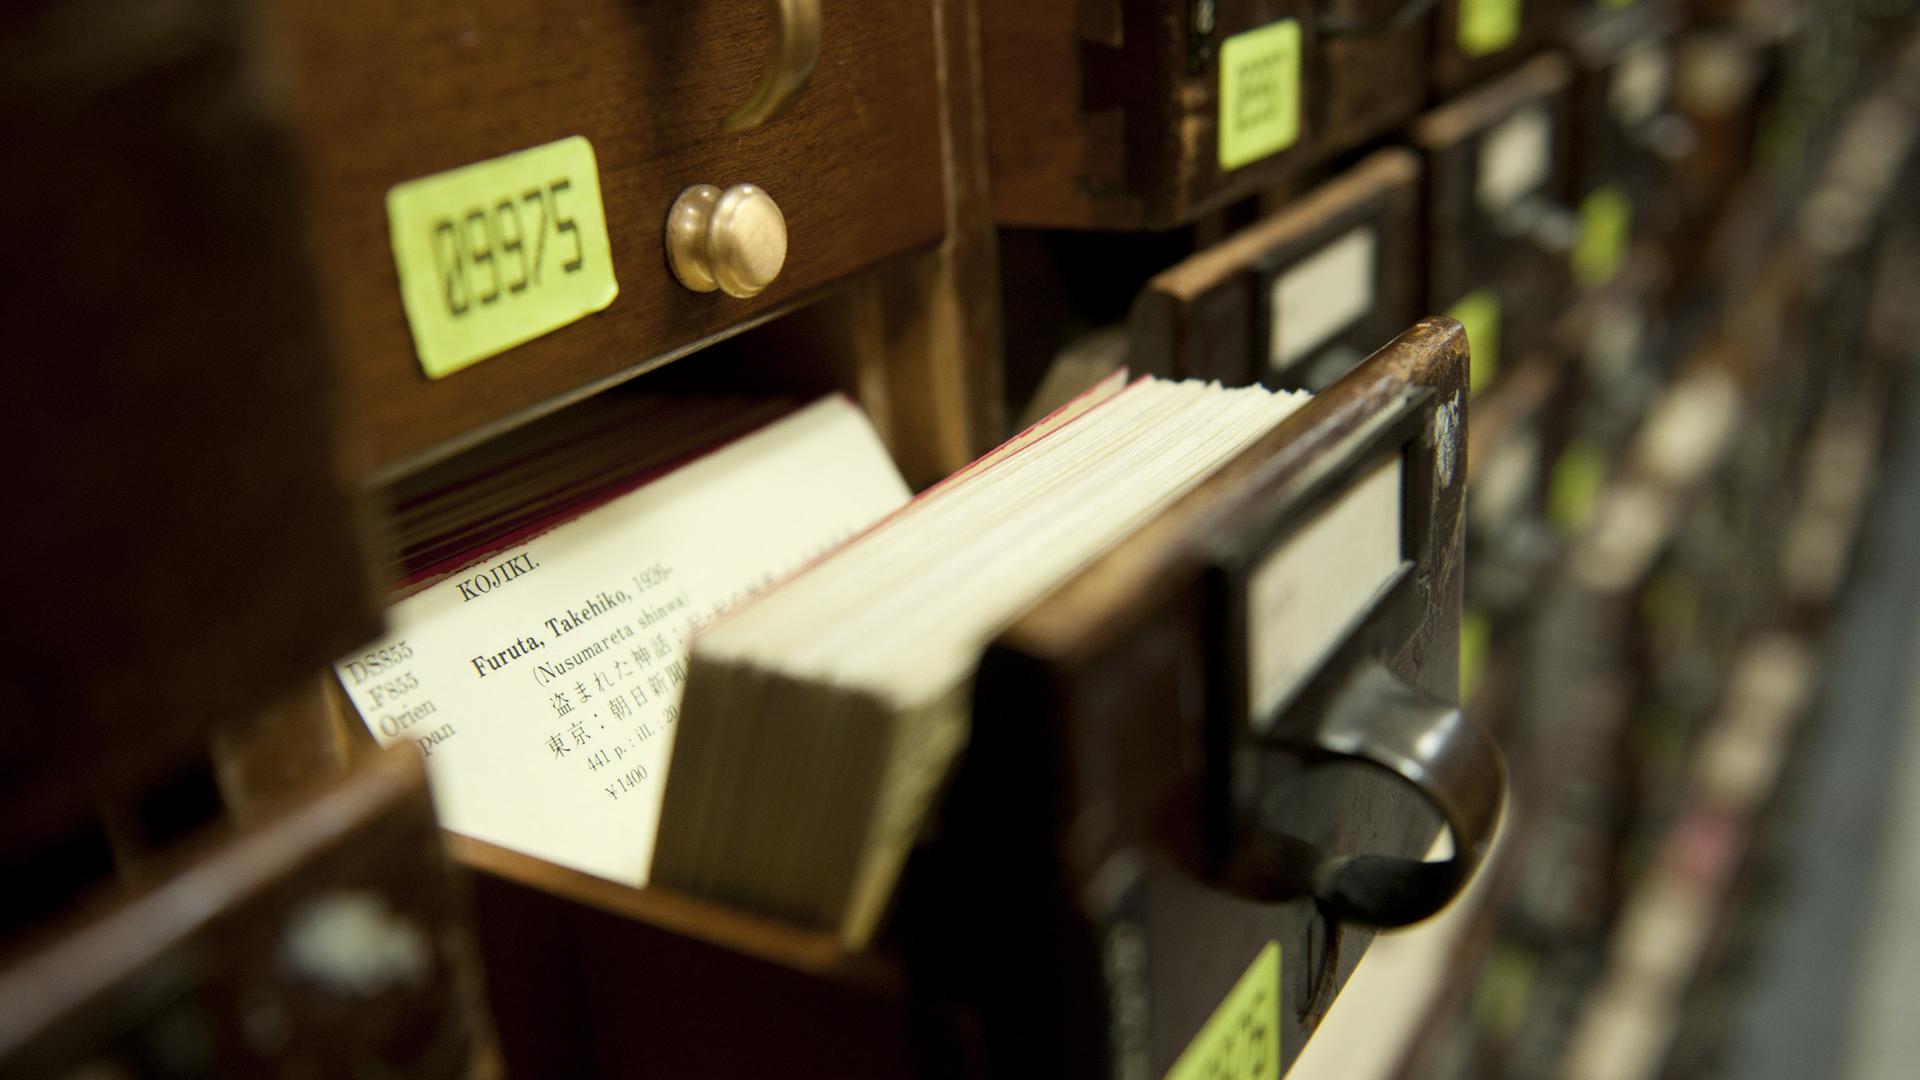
point(1103, 114)
point(590, 977)
point(855, 165)
point(212, 969)
point(1371, 78)
point(919, 340)
point(180, 544)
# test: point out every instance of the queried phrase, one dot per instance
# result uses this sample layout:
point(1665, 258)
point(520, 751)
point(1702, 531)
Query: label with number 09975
point(1241, 1040)
point(499, 252)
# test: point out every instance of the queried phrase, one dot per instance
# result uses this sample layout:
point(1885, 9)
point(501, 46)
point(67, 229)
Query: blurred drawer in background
point(1499, 229)
point(1628, 137)
point(1474, 39)
point(1111, 115)
point(330, 938)
point(382, 95)
point(1298, 298)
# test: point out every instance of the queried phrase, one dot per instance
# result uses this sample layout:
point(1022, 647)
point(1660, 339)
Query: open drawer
point(1130, 829)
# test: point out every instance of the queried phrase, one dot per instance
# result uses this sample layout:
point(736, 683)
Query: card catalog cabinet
point(851, 162)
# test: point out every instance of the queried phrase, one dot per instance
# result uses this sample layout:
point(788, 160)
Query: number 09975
point(494, 254)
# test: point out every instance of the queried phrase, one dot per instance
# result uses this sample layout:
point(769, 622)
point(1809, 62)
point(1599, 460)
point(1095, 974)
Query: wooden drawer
point(1499, 229)
point(329, 939)
point(1372, 74)
point(184, 550)
point(1474, 39)
point(380, 95)
point(1349, 249)
point(1628, 137)
point(1113, 114)
point(587, 977)
point(1118, 790)
point(1004, 956)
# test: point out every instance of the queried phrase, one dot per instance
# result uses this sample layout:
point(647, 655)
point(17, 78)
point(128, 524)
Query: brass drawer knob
point(733, 240)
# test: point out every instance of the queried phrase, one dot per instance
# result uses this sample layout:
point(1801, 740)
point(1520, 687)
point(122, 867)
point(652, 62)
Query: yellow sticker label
point(1476, 638)
point(1479, 312)
point(497, 253)
point(1606, 228)
point(1487, 26)
point(1500, 1000)
point(1573, 494)
point(1241, 1040)
point(1670, 604)
point(1259, 93)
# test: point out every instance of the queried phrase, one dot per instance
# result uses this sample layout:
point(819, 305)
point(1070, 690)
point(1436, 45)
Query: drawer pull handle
point(790, 60)
point(733, 240)
point(1451, 761)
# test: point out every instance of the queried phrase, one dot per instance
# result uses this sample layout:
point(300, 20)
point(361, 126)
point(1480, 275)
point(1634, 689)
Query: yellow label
point(1259, 93)
point(1487, 26)
point(1670, 604)
point(1606, 228)
point(1574, 492)
point(1241, 1040)
point(1476, 638)
point(497, 253)
point(1479, 312)
point(1500, 1000)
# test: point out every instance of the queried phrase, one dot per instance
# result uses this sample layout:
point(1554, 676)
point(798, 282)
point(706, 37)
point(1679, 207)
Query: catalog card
point(543, 683)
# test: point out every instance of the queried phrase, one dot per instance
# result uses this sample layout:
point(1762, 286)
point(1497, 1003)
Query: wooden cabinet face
point(381, 95)
point(1145, 114)
point(1474, 39)
point(1499, 225)
point(1299, 298)
point(331, 938)
point(1116, 773)
point(1628, 137)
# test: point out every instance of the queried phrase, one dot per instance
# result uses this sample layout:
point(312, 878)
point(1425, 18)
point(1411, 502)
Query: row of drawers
point(1498, 201)
point(1096, 114)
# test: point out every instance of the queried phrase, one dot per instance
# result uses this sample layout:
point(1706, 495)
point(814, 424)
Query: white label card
point(1320, 296)
point(1642, 82)
point(1515, 158)
point(543, 684)
point(1303, 597)
point(1509, 480)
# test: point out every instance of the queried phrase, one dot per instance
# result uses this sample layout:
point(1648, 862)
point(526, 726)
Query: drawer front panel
point(854, 165)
